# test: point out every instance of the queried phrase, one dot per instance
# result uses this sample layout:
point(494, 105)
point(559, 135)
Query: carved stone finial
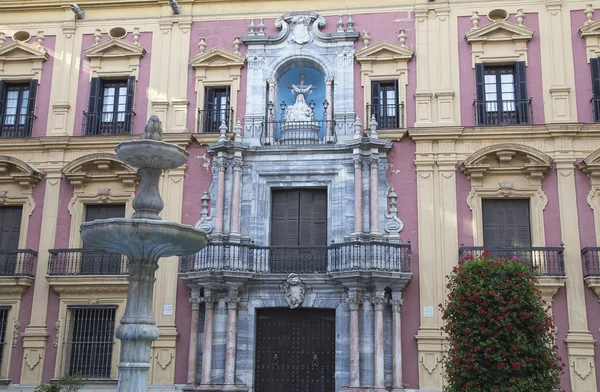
point(373, 127)
point(204, 200)
point(136, 35)
point(340, 25)
point(589, 13)
point(237, 130)
point(202, 44)
point(294, 290)
point(475, 20)
point(520, 16)
point(261, 27)
point(393, 224)
point(223, 131)
point(357, 128)
point(236, 44)
point(40, 38)
point(153, 130)
point(97, 36)
point(350, 23)
point(176, 8)
point(402, 37)
point(366, 38)
point(2, 37)
point(251, 28)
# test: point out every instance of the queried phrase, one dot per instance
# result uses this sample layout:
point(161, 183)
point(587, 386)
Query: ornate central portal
point(295, 350)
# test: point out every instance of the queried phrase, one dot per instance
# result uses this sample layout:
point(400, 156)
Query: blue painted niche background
point(292, 76)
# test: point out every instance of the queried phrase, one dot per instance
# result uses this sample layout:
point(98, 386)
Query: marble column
point(236, 197)
point(354, 300)
point(396, 343)
point(193, 350)
point(374, 218)
point(329, 98)
point(358, 201)
point(272, 83)
point(221, 165)
point(230, 355)
point(209, 303)
point(378, 301)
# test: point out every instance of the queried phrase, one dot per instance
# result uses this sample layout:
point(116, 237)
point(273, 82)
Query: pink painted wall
point(197, 180)
point(463, 211)
point(42, 101)
point(561, 320)
point(401, 157)
point(33, 242)
point(467, 72)
point(587, 236)
point(583, 72)
point(385, 27)
point(140, 106)
point(551, 213)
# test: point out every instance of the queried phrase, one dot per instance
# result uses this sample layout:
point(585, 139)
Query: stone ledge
point(216, 388)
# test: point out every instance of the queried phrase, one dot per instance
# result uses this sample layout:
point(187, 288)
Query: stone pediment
point(115, 48)
point(591, 33)
point(591, 164)
point(499, 31)
point(13, 170)
point(217, 57)
point(590, 29)
point(99, 167)
point(20, 51)
point(384, 51)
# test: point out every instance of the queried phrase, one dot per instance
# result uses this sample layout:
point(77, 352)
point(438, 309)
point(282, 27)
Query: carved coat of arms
point(294, 290)
point(299, 26)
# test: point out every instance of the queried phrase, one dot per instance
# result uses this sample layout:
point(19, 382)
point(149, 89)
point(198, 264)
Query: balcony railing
point(107, 123)
point(16, 125)
point(504, 112)
point(298, 132)
point(342, 257)
point(209, 121)
point(81, 261)
point(18, 262)
point(595, 101)
point(387, 116)
point(591, 261)
point(550, 261)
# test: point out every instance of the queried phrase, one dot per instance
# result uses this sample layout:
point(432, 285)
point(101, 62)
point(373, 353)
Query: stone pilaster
point(236, 197)
point(209, 303)
point(358, 200)
point(374, 198)
point(354, 301)
point(230, 355)
point(397, 342)
point(379, 301)
point(221, 165)
point(194, 330)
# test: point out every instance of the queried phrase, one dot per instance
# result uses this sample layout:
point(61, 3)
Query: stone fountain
point(143, 238)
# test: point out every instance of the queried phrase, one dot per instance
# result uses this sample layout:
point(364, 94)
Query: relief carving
point(32, 358)
point(430, 362)
point(16, 327)
point(294, 290)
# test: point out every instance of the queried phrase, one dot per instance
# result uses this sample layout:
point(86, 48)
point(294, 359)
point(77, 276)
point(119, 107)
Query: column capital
point(195, 302)
point(221, 164)
point(396, 305)
point(354, 302)
point(237, 164)
point(232, 302)
point(373, 161)
point(378, 302)
point(209, 302)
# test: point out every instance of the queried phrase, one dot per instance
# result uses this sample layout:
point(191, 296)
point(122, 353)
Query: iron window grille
point(595, 101)
point(89, 340)
point(3, 325)
point(110, 110)
point(17, 105)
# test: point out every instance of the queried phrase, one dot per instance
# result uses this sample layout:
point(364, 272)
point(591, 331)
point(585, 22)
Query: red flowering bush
point(500, 336)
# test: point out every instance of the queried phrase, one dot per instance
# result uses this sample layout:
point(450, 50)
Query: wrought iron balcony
point(348, 256)
point(550, 261)
point(16, 125)
point(504, 112)
point(209, 121)
point(18, 262)
point(387, 116)
point(81, 261)
point(107, 123)
point(591, 261)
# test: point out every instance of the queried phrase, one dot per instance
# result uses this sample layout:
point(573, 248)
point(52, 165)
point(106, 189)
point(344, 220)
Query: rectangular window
point(3, 325)
point(89, 340)
point(95, 262)
point(506, 223)
point(110, 110)
point(10, 230)
point(502, 95)
point(385, 105)
point(595, 65)
point(17, 106)
point(216, 110)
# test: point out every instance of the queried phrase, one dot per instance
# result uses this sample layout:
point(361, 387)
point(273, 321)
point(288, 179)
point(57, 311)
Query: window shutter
point(209, 98)
point(521, 93)
point(94, 107)
point(481, 118)
point(595, 64)
point(104, 211)
point(10, 219)
point(2, 102)
point(523, 232)
point(31, 107)
point(129, 104)
point(375, 101)
point(506, 223)
point(284, 218)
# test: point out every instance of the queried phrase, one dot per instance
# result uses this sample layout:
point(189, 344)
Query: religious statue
point(299, 111)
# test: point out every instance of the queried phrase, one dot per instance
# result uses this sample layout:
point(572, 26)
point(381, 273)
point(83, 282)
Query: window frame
point(386, 120)
point(22, 126)
point(209, 120)
point(114, 121)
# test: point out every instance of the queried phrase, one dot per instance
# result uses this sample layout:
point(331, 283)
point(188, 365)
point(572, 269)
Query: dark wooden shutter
point(595, 64)
point(210, 117)
point(313, 217)
point(129, 104)
point(284, 227)
point(94, 107)
point(104, 211)
point(481, 118)
point(521, 93)
point(30, 107)
point(100, 263)
point(375, 101)
point(2, 102)
point(506, 223)
point(10, 221)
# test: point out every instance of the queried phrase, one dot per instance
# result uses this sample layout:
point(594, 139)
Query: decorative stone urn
point(143, 238)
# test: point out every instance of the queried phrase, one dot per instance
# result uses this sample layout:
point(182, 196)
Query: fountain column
point(236, 197)
point(209, 303)
point(397, 343)
point(221, 165)
point(193, 349)
point(374, 218)
point(358, 202)
point(232, 300)
point(378, 301)
point(354, 301)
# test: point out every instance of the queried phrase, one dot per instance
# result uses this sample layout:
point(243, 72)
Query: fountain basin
point(143, 239)
point(151, 154)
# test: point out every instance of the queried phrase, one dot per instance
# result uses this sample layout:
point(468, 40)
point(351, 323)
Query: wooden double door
point(295, 350)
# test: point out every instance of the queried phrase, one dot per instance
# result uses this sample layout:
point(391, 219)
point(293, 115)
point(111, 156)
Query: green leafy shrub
point(65, 384)
point(500, 335)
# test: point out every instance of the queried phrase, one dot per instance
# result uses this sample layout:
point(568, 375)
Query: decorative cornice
point(13, 170)
point(217, 57)
point(106, 49)
point(384, 51)
point(21, 51)
point(510, 32)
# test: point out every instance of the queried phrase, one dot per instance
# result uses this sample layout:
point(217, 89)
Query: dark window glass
point(3, 325)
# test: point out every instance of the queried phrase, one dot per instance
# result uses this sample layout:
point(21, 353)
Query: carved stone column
point(358, 202)
point(232, 300)
point(209, 303)
point(329, 98)
point(236, 197)
point(397, 343)
point(374, 218)
point(221, 165)
point(193, 350)
point(272, 83)
point(378, 301)
point(354, 300)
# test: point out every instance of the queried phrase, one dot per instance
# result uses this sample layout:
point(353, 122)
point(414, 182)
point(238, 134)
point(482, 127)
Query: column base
point(216, 388)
